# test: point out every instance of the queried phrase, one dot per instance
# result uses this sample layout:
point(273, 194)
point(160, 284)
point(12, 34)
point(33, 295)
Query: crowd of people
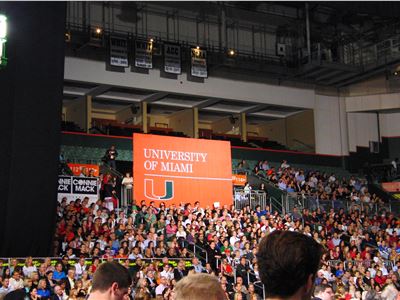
point(156, 243)
point(315, 185)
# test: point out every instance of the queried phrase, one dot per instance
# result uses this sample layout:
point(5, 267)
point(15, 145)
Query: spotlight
point(198, 47)
point(98, 30)
point(151, 40)
point(231, 52)
point(396, 73)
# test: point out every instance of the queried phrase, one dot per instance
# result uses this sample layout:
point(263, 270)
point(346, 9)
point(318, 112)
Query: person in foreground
point(111, 281)
point(324, 292)
point(199, 286)
point(288, 264)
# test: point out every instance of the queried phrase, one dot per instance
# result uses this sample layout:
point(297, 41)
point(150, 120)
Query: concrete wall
point(389, 124)
point(213, 87)
point(124, 115)
point(75, 112)
point(300, 131)
point(103, 115)
point(330, 122)
point(274, 130)
point(373, 102)
point(363, 128)
point(182, 121)
point(225, 126)
point(158, 119)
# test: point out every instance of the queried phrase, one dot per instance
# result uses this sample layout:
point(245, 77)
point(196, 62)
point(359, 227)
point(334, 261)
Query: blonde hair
point(199, 287)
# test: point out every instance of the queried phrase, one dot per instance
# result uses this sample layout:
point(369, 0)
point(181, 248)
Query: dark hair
point(286, 259)
point(321, 288)
point(108, 273)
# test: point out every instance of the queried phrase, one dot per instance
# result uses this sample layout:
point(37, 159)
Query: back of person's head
point(287, 262)
point(389, 292)
point(372, 295)
point(109, 273)
point(324, 291)
point(199, 287)
point(15, 295)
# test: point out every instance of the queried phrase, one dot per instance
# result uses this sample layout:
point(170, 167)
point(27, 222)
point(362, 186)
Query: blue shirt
point(43, 293)
point(58, 275)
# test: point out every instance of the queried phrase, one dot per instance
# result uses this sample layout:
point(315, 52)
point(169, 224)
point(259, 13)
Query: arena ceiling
point(113, 99)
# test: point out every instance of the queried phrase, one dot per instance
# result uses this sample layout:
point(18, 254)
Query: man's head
point(288, 262)
point(198, 287)
point(324, 292)
point(111, 279)
point(58, 290)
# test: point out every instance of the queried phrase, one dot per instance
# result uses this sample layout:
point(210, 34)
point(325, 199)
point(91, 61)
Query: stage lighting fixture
point(98, 30)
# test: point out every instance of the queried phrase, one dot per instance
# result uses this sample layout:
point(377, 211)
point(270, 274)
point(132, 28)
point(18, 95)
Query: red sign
point(181, 170)
point(84, 169)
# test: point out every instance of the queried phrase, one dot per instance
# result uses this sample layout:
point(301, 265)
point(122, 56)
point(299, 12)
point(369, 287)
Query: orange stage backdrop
point(176, 170)
point(77, 169)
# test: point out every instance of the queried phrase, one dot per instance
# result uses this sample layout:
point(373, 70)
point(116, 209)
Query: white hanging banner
point(172, 59)
point(144, 54)
point(199, 63)
point(119, 52)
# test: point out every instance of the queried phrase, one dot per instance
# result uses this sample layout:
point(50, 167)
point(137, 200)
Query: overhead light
point(98, 30)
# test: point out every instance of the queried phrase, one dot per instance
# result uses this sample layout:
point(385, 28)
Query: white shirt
point(169, 275)
point(79, 270)
point(233, 240)
point(15, 285)
point(160, 289)
point(28, 270)
point(127, 182)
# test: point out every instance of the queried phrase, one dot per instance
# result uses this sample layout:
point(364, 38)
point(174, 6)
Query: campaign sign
point(73, 187)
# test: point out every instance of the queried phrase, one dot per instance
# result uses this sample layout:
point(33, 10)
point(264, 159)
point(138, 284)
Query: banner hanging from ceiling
point(119, 51)
point(144, 54)
point(172, 59)
point(199, 63)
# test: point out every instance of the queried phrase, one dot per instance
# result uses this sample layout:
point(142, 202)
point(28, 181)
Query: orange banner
point(239, 179)
point(84, 169)
point(181, 170)
point(392, 187)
